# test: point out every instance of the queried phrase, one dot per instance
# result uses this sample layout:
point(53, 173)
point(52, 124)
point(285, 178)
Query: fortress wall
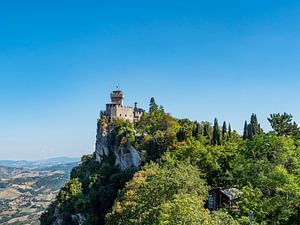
point(111, 111)
point(125, 113)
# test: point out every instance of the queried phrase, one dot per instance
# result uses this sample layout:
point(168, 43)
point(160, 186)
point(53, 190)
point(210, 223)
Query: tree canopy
point(283, 125)
point(182, 161)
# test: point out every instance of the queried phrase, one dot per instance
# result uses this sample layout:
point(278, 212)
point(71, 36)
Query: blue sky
point(200, 59)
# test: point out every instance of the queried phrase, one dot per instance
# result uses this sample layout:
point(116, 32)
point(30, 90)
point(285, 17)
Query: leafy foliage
point(125, 134)
point(153, 107)
point(169, 192)
point(182, 160)
point(268, 169)
point(216, 138)
point(90, 192)
point(283, 125)
point(159, 132)
point(253, 128)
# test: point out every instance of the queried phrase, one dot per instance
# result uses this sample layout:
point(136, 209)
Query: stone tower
point(117, 97)
point(116, 108)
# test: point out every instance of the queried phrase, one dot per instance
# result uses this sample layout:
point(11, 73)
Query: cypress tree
point(153, 107)
point(206, 131)
point(197, 132)
point(224, 130)
point(229, 131)
point(246, 128)
point(216, 139)
point(254, 126)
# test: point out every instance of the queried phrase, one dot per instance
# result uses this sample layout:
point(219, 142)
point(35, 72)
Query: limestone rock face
point(102, 147)
point(125, 156)
point(58, 220)
point(77, 219)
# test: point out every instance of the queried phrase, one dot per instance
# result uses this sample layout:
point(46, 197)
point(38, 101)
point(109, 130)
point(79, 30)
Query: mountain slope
point(8, 172)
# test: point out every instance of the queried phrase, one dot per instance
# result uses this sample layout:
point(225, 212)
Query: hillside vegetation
point(182, 161)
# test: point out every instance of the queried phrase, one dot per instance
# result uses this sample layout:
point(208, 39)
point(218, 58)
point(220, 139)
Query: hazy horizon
point(44, 159)
point(59, 61)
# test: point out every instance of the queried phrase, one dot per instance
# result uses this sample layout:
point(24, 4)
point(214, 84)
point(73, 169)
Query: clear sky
point(59, 60)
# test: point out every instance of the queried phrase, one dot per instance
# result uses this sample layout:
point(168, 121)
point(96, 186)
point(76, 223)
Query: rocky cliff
point(126, 156)
point(94, 184)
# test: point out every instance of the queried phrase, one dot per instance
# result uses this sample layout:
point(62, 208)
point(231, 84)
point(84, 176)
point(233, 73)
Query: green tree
point(198, 130)
point(154, 196)
point(207, 132)
point(153, 107)
point(72, 189)
point(245, 133)
point(224, 131)
point(159, 131)
point(254, 126)
point(216, 138)
point(267, 168)
point(283, 125)
point(183, 209)
point(186, 129)
point(125, 134)
point(206, 129)
point(229, 131)
point(214, 161)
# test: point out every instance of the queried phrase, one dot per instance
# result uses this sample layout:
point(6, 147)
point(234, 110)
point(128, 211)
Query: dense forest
point(183, 162)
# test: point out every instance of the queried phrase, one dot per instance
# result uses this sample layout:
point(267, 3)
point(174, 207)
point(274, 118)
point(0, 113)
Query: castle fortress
point(116, 108)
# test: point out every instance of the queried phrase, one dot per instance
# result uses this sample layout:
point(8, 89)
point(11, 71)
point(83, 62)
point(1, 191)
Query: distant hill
point(39, 163)
point(8, 172)
point(59, 167)
point(61, 160)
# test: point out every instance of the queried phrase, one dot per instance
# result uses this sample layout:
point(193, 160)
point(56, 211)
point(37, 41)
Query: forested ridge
point(182, 160)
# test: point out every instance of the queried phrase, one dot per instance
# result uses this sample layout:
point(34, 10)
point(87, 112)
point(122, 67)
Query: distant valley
point(28, 187)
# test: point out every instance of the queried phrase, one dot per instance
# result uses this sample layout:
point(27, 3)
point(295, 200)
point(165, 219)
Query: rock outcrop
point(125, 156)
point(78, 219)
point(102, 145)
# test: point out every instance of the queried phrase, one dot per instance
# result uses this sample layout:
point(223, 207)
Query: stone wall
point(125, 113)
point(118, 111)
